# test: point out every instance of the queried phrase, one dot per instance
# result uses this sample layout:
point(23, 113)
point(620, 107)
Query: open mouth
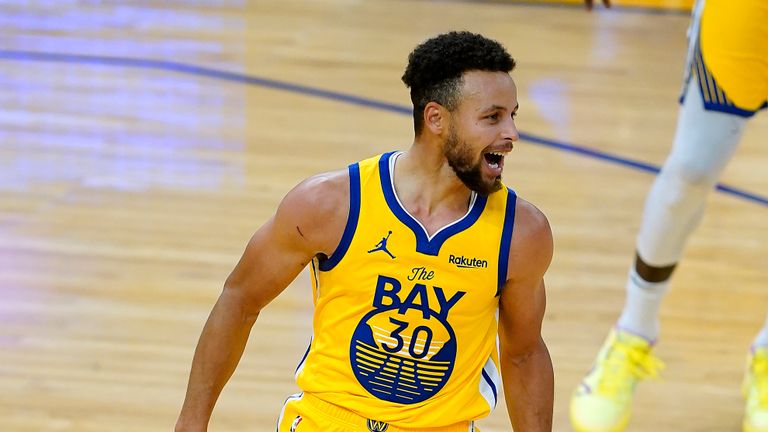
point(495, 160)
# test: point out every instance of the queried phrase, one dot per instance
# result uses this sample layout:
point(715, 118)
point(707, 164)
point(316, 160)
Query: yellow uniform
point(731, 60)
point(405, 324)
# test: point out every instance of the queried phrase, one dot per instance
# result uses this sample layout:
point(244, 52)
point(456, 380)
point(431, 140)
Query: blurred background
point(143, 142)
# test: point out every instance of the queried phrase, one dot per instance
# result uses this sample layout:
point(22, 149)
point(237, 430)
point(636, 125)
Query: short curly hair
point(435, 68)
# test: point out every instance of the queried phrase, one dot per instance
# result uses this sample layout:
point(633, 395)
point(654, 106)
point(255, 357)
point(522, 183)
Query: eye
point(494, 116)
point(514, 114)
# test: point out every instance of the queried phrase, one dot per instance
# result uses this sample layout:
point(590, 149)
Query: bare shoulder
point(530, 223)
point(318, 207)
point(532, 244)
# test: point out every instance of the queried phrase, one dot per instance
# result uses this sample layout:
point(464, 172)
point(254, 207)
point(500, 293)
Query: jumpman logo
point(382, 246)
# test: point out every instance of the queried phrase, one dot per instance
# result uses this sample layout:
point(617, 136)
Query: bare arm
point(302, 227)
point(526, 367)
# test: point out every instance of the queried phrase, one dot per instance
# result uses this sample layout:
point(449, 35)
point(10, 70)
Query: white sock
point(640, 315)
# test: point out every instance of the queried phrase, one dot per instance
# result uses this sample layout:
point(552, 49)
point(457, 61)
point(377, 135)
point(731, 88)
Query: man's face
point(482, 130)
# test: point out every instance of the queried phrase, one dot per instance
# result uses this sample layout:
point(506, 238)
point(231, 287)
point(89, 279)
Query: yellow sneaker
point(603, 400)
point(755, 390)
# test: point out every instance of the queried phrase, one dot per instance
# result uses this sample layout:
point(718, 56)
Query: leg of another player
point(704, 144)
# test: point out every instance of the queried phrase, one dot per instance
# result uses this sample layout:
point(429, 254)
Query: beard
point(460, 158)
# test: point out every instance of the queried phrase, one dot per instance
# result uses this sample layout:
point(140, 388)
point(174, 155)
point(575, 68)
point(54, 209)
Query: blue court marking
point(172, 66)
point(338, 97)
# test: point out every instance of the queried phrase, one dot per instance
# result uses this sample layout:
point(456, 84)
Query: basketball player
point(726, 83)
point(420, 260)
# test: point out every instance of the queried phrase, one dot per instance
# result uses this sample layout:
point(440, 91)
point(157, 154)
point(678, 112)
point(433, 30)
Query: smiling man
point(421, 261)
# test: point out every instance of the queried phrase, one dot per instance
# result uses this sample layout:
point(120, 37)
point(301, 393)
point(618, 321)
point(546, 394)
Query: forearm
point(218, 352)
point(529, 389)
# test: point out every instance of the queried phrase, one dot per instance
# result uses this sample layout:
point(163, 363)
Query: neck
point(428, 187)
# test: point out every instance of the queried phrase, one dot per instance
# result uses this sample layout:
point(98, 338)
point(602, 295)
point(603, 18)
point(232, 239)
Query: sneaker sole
point(619, 427)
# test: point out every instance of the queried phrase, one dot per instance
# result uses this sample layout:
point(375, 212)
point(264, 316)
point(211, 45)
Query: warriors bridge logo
point(404, 350)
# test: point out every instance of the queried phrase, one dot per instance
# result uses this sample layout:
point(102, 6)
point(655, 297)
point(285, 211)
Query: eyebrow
point(499, 107)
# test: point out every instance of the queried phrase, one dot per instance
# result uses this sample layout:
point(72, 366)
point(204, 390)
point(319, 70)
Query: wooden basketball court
point(141, 143)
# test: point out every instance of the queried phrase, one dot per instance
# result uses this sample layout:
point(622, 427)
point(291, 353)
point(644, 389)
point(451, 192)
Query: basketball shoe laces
point(625, 365)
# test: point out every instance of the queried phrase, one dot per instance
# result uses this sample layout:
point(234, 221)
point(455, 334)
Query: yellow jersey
point(734, 48)
point(405, 323)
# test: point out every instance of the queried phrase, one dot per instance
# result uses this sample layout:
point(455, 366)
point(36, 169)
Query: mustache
point(506, 148)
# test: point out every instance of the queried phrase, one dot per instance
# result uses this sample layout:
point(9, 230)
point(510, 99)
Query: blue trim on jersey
point(506, 238)
point(488, 380)
point(712, 94)
point(304, 357)
point(423, 243)
point(354, 214)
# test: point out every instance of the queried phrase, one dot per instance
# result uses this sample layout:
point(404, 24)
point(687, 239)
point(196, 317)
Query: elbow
point(236, 302)
point(521, 354)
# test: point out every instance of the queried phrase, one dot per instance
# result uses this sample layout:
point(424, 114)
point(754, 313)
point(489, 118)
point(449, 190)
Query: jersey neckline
point(425, 243)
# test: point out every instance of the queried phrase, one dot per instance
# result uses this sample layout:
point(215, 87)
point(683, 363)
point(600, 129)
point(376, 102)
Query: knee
point(678, 187)
point(690, 176)
point(693, 173)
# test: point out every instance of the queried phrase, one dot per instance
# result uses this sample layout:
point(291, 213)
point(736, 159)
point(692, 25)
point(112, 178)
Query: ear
point(435, 118)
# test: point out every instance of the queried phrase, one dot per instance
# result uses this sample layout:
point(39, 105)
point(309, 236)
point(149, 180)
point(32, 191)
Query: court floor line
point(202, 71)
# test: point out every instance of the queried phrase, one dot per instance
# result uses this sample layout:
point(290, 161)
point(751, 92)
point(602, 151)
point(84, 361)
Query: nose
point(510, 132)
